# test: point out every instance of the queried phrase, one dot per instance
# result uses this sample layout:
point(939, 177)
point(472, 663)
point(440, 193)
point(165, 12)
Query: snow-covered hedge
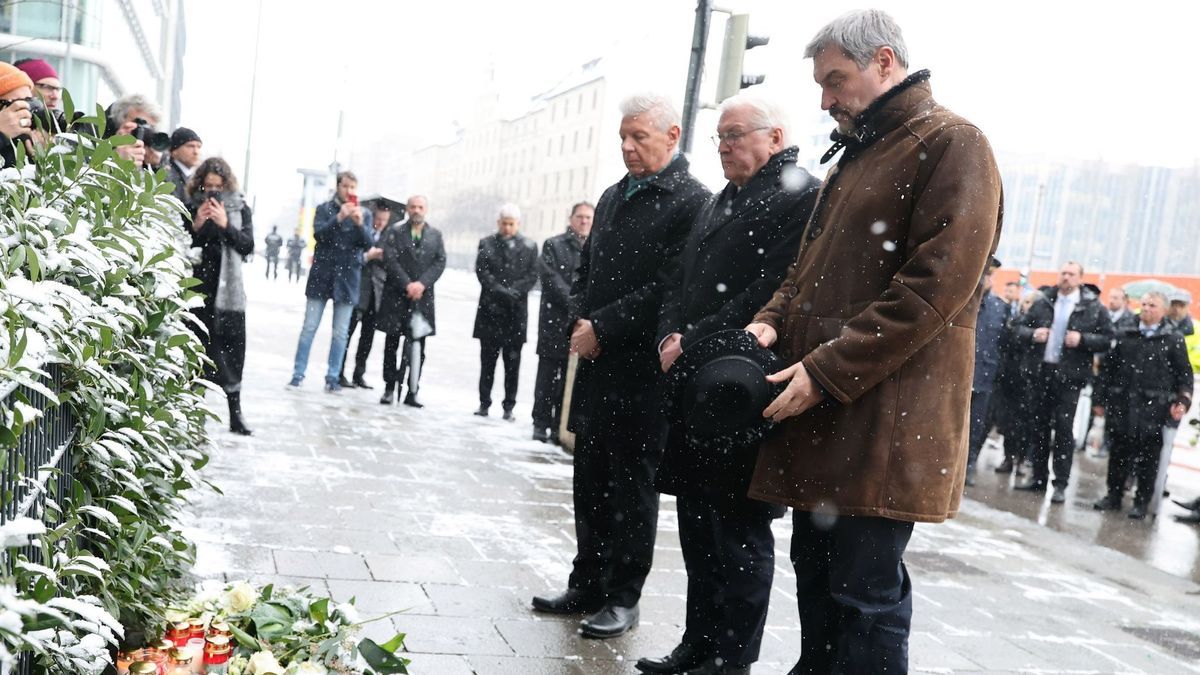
point(94, 276)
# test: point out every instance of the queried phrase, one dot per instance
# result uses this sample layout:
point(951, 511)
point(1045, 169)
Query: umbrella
point(1136, 289)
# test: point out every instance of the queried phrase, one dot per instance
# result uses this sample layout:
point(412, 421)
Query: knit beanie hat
point(182, 136)
point(36, 69)
point(12, 77)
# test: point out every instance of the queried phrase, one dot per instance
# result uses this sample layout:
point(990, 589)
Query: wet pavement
point(459, 520)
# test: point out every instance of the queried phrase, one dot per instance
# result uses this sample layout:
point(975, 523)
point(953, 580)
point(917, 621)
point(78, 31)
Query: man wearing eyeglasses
point(735, 256)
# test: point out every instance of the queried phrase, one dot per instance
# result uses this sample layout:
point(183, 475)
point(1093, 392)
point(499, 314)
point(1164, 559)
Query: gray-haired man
point(640, 223)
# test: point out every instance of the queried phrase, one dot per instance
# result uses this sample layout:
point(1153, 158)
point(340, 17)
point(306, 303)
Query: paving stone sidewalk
point(459, 520)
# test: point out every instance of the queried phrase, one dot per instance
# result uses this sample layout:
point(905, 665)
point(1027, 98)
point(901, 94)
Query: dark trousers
point(272, 262)
point(548, 393)
point(979, 426)
point(1137, 456)
point(392, 373)
point(293, 268)
point(854, 594)
point(1054, 403)
point(616, 505)
point(366, 339)
point(729, 553)
point(225, 344)
point(489, 352)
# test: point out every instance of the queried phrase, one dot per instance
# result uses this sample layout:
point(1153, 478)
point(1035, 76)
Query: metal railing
point(38, 468)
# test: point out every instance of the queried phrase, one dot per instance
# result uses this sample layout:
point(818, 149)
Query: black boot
point(237, 424)
point(389, 393)
point(411, 400)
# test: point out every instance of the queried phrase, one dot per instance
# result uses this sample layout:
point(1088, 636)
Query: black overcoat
point(735, 257)
point(507, 270)
point(1141, 378)
point(1089, 318)
point(560, 257)
point(405, 262)
point(618, 286)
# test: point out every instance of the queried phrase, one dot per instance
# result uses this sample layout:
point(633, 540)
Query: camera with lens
point(155, 140)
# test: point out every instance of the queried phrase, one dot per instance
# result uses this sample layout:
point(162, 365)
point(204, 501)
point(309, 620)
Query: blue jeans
point(313, 312)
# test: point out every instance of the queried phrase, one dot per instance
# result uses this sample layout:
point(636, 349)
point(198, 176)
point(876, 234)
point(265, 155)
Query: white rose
point(239, 598)
point(307, 668)
point(177, 615)
point(263, 662)
point(349, 612)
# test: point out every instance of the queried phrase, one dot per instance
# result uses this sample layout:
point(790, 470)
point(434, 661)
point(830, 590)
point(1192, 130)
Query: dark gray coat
point(507, 269)
point(374, 278)
point(619, 285)
point(735, 257)
point(1141, 378)
point(406, 262)
point(560, 257)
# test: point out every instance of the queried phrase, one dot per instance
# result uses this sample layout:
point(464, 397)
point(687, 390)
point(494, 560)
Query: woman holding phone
point(221, 227)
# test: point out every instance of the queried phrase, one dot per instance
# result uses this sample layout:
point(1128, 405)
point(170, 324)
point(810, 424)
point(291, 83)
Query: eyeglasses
point(733, 137)
point(4, 103)
point(49, 88)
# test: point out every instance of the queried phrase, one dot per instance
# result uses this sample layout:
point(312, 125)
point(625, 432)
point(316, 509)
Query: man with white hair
point(507, 268)
point(737, 253)
point(640, 225)
point(124, 114)
point(877, 320)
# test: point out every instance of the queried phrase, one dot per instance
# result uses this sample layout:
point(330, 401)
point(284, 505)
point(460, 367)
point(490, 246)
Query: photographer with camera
point(221, 228)
point(16, 112)
point(45, 81)
point(135, 115)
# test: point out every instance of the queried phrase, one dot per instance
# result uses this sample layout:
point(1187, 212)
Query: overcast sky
point(1063, 79)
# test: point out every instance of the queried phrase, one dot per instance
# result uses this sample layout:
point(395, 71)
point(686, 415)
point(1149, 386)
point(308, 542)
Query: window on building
point(571, 181)
point(557, 182)
point(583, 184)
point(545, 183)
point(549, 146)
point(562, 144)
point(595, 98)
point(590, 130)
point(575, 143)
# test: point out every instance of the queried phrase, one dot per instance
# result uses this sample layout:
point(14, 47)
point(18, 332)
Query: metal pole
point(253, 84)
point(691, 96)
point(1037, 218)
point(69, 39)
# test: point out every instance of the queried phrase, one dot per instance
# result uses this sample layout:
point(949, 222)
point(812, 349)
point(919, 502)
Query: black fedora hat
point(717, 389)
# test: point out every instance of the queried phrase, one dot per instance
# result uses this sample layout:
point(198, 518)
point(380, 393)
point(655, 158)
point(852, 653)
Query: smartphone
point(215, 196)
point(353, 199)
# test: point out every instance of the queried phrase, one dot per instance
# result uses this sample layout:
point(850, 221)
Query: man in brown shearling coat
point(877, 318)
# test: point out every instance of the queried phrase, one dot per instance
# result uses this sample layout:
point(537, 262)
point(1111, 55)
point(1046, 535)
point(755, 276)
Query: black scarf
point(865, 133)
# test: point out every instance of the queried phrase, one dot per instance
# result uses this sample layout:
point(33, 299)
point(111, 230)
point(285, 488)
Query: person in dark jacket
point(370, 293)
point(735, 257)
point(1180, 302)
point(560, 257)
point(1063, 330)
point(507, 269)
point(342, 229)
point(295, 248)
point(273, 242)
point(221, 226)
point(641, 223)
point(1007, 390)
point(1145, 383)
point(1119, 313)
point(181, 163)
point(990, 327)
point(414, 258)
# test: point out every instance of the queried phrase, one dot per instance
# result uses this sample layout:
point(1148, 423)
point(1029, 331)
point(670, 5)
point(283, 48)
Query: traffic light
point(737, 40)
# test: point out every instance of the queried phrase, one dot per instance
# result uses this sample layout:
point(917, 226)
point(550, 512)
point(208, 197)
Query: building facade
point(102, 49)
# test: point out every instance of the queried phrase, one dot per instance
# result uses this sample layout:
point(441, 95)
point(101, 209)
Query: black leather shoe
point(389, 393)
point(361, 383)
point(412, 402)
point(539, 434)
point(1138, 512)
point(509, 417)
point(610, 622)
point(1193, 505)
point(573, 601)
point(1192, 517)
point(482, 412)
point(1006, 466)
point(1059, 496)
point(715, 667)
point(683, 657)
point(1109, 502)
point(344, 383)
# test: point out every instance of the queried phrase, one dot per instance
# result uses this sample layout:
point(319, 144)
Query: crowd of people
point(1034, 354)
point(843, 315)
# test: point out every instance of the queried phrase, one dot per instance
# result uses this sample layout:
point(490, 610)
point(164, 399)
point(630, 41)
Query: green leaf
point(271, 620)
point(394, 644)
point(35, 265)
point(44, 590)
point(383, 661)
point(244, 638)
point(319, 610)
